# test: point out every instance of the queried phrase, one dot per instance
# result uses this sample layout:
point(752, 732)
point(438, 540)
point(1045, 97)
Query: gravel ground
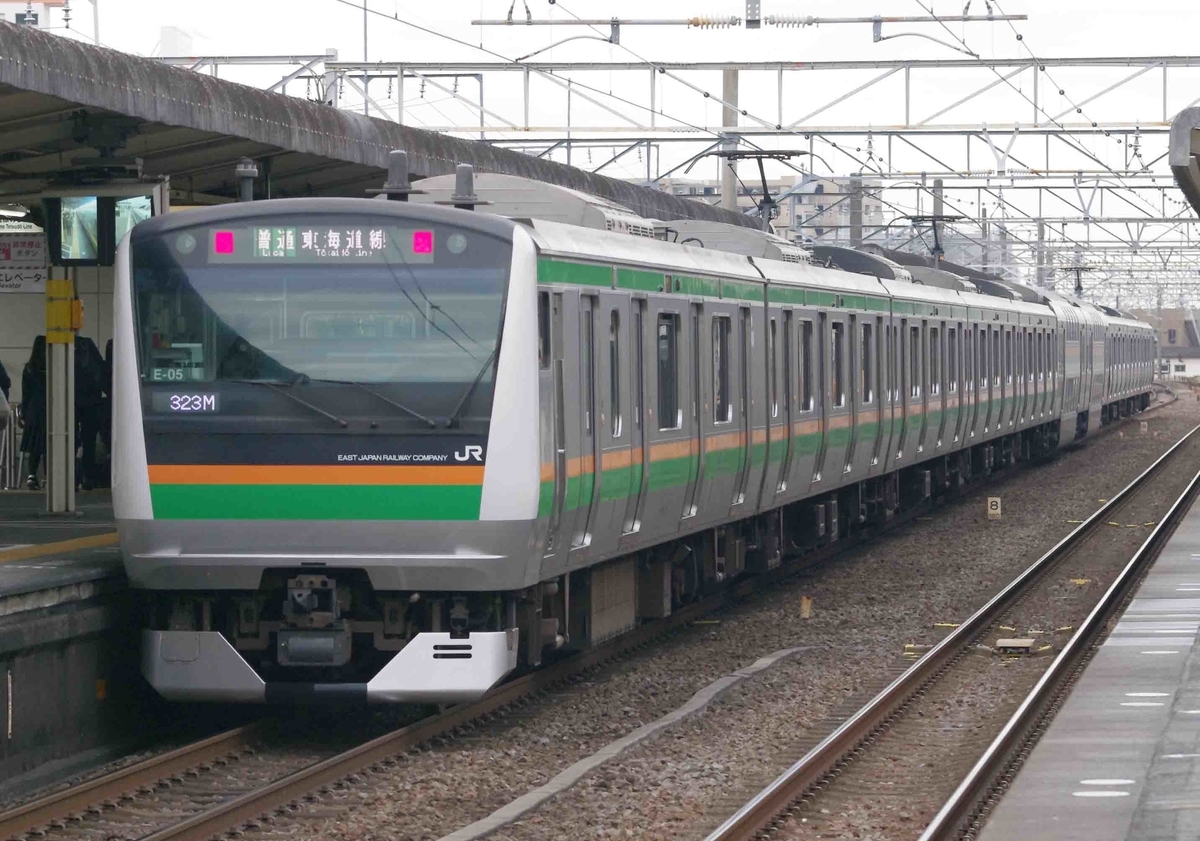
point(684, 782)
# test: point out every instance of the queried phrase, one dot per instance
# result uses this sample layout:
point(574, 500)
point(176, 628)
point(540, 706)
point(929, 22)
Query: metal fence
point(10, 456)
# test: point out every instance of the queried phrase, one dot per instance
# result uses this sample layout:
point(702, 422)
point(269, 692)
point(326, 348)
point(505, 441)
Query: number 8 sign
point(993, 508)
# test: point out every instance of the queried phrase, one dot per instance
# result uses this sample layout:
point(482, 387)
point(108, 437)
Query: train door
point(1042, 351)
point(953, 372)
point(748, 391)
point(693, 409)
point(937, 383)
point(853, 388)
point(614, 469)
point(1022, 367)
point(905, 388)
point(808, 426)
point(871, 414)
point(1032, 339)
point(778, 409)
point(886, 444)
point(636, 366)
point(588, 420)
point(967, 396)
point(838, 417)
point(665, 428)
point(552, 377)
point(921, 402)
point(719, 408)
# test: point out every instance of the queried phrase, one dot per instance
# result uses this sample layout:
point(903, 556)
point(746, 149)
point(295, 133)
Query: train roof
point(590, 244)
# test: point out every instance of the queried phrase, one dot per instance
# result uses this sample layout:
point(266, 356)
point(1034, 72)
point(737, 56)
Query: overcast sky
point(1055, 28)
point(1062, 27)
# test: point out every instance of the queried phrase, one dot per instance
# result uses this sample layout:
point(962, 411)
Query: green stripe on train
point(316, 502)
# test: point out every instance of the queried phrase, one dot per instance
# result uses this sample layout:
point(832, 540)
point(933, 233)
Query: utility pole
point(1041, 254)
point(729, 93)
point(985, 239)
point(939, 210)
point(856, 211)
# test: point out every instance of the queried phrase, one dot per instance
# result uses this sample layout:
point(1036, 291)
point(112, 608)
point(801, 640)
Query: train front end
point(308, 486)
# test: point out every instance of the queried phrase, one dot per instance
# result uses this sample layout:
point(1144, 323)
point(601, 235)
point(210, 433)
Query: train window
point(982, 360)
point(967, 358)
point(668, 372)
point(952, 360)
point(1033, 359)
point(914, 362)
point(587, 358)
point(722, 408)
point(773, 355)
point(614, 371)
point(868, 356)
point(543, 330)
point(935, 368)
point(1008, 356)
point(838, 361)
point(996, 361)
point(806, 380)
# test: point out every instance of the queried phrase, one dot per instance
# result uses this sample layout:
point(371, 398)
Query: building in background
point(1178, 342)
point(810, 207)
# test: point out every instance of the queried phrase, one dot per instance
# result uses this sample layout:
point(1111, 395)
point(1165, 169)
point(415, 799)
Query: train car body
point(389, 451)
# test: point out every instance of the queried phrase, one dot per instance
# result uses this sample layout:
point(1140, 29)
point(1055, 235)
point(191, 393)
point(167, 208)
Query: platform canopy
point(71, 112)
point(1184, 154)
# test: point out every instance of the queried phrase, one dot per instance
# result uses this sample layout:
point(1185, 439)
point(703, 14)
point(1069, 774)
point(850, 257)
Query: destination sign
point(190, 402)
point(310, 243)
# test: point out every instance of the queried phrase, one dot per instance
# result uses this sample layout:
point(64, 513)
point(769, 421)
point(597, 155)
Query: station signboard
point(23, 263)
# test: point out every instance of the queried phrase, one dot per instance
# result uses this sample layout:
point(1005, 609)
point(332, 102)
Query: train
point(392, 451)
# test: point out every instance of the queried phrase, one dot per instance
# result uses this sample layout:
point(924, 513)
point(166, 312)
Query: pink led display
point(222, 242)
point(422, 242)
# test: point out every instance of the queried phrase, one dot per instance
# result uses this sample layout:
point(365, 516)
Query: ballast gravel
point(866, 606)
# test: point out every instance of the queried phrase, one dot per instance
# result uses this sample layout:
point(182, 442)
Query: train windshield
point(409, 316)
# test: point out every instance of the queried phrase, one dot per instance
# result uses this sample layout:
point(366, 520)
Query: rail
point(111, 787)
point(957, 815)
point(766, 807)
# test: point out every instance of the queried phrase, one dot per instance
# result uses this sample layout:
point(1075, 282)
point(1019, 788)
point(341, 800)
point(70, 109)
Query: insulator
point(791, 21)
point(713, 22)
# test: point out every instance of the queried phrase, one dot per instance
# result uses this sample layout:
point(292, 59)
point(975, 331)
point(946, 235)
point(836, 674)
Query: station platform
point(1121, 760)
point(46, 553)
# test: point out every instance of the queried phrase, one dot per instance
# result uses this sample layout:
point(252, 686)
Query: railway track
point(801, 788)
point(236, 779)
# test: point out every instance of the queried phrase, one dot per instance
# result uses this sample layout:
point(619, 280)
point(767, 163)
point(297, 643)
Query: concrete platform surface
point(42, 552)
point(24, 521)
point(1121, 760)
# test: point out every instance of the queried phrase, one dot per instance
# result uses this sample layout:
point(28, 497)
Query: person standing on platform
point(33, 406)
point(106, 420)
point(89, 406)
point(5, 381)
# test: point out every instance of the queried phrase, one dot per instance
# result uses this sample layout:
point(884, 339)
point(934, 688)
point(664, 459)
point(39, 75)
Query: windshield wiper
point(407, 410)
point(274, 385)
point(462, 401)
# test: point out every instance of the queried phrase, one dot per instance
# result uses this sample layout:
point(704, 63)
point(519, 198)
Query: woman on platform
point(33, 405)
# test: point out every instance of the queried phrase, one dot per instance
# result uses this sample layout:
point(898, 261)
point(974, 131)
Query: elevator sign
point(23, 262)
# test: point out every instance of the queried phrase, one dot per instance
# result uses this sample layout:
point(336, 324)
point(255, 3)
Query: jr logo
point(469, 453)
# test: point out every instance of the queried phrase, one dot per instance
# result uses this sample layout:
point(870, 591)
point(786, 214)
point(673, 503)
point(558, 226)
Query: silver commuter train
point(391, 450)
